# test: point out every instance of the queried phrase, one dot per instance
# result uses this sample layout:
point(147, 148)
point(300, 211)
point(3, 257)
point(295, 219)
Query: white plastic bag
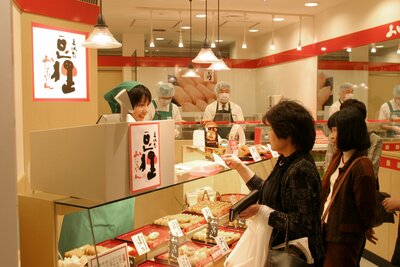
point(252, 248)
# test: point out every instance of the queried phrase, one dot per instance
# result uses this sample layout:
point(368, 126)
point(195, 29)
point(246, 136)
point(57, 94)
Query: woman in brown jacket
point(352, 211)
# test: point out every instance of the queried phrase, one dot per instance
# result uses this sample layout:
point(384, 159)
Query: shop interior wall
point(45, 114)
point(380, 90)
point(108, 78)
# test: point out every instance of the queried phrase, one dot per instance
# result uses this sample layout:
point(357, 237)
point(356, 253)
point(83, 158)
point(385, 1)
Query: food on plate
point(184, 220)
point(229, 236)
point(194, 255)
point(218, 208)
point(243, 150)
point(154, 235)
point(151, 237)
point(86, 250)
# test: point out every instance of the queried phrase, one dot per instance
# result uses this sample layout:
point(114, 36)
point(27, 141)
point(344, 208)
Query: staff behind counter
point(162, 108)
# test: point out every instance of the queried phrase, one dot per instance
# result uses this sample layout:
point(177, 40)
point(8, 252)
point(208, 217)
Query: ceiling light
point(323, 49)
point(380, 46)
point(348, 50)
point(219, 41)
point(244, 43)
point(299, 44)
point(101, 37)
point(398, 49)
point(201, 16)
point(253, 30)
point(311, 3)
point(272, 45)
point(278, 19)
point(373, 48)
point(151, 30)
point(160, 38)
point(219, 65)
point(180, 44)
point(213, 45)
point(205, 55)
point(185, 27)
point(190, 71)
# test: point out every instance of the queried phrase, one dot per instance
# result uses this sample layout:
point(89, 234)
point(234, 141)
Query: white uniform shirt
point(236, 110)
point(335, 107)
point(384, 112)
point(176, 115)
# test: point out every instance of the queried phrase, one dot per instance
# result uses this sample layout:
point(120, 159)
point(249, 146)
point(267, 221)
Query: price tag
point(140, 244)
point(175, 228)
point(212, 228)
point(233, 145)
point(183, 261)
point(273, 153)
point(207, 213)
point(215, 253)
point(254, 153)
point(223, 246)
point(173, 247)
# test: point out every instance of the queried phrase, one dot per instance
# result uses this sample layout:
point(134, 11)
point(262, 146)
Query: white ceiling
point(135, 16)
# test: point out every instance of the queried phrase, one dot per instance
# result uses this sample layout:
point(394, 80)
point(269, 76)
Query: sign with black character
point(173, 247)
point(212, 228)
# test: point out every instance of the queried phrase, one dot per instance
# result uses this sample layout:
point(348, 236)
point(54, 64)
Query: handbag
point(289, 257)
point(381, 215)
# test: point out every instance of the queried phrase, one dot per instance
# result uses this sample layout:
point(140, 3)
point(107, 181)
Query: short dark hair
point(332, 121)
point(290, 119)
point(137, 93)
point(352, 130)
point(360, 106)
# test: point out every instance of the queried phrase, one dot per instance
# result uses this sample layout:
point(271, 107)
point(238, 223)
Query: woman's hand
point(391, 204)
point(250, 211)
point(232, 161)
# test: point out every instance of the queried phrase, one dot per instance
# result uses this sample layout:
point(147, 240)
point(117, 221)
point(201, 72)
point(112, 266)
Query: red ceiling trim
point(370, 66)
point(72, 10)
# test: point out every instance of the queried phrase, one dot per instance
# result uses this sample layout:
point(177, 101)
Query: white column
point(130, 43)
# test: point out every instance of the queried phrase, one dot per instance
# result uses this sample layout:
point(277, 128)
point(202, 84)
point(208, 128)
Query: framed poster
point(60, 64)
point(144, 156)
point(208, 76)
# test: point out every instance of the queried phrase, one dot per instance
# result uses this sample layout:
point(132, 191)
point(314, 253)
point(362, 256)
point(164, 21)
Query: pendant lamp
point(219, 65)
point(180, 44)
point(101, 37)
point(190, 73)
point(206, 55)
point(299, 44)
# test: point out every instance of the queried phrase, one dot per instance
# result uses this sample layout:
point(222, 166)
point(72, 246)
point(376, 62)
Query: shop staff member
point(391, 110)
point(223, 109)
point(110, 220)
point(109, 96)
point(345, 92)
point(162, 108)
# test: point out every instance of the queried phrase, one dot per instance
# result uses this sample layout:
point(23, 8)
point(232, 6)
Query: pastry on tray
point(229, 236)
point(185, 221)
point(218, 208)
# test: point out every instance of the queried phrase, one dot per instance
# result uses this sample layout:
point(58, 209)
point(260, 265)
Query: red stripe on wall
point(72, 10)
point(390, 163)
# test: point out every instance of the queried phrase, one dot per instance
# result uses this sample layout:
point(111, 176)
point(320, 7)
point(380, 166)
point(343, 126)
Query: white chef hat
point(346, 86)
point(166, 90)
point(221, 85)
point(396, 90)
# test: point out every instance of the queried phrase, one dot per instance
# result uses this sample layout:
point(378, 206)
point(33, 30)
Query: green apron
point(162, 115)
point(224, 115)
point(108, 222)
point(394, 114)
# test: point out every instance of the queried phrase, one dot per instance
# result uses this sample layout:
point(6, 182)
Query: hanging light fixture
point(311, 3)
point(205, 55)
point(272, 46)
point(244, 43)
point(190, 73)
point(180, 30)
point(151, 30)
point(373, 48)
point(219, 65)
point(299, 44)
point(101, 37)
point(398, 49)
point(213, 45)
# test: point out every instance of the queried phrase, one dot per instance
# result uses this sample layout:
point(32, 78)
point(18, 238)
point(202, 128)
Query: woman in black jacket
point(293, 189)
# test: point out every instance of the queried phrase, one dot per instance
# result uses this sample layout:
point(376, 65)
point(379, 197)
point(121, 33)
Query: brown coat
point(353, 210)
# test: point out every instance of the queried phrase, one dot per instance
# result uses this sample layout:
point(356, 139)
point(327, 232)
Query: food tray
point(163, 258)
point(202, 204)
point(225, 229)
point(232, 197)
point(200, 223)
point(146, 230)
point(149, 263)
point(113, 243)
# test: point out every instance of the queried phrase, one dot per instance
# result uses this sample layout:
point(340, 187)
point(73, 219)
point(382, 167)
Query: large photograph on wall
point(60, 64)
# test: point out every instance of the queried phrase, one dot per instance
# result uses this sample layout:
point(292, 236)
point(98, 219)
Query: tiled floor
point(366, 263)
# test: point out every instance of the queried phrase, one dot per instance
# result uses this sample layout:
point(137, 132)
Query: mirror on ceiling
point(374, 70)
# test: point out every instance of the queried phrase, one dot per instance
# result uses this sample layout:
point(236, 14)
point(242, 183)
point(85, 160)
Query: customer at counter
point(390, 110)
point(392, 204)
point(292, 192)
point(112, 219)
point(223, 109)
point(162, 108)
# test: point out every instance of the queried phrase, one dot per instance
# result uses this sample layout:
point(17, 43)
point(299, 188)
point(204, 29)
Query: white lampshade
point(217, 66)
point(190, 73)
point(206, 55)
point(101, 36)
